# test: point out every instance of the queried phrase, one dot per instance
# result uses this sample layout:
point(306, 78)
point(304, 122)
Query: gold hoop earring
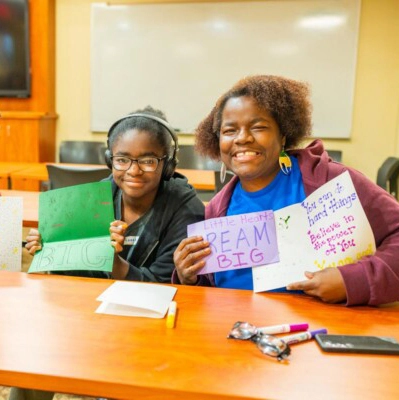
point(285, 162)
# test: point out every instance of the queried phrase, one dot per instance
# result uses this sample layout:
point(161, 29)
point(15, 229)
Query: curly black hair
point(287, 100)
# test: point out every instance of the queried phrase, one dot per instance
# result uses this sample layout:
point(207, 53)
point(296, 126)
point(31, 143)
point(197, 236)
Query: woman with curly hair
point(255, 129)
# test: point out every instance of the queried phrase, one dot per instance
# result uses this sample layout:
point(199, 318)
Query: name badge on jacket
point(131, 240)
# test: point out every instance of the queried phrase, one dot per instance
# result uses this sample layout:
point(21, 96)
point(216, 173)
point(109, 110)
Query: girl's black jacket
point(176, 206)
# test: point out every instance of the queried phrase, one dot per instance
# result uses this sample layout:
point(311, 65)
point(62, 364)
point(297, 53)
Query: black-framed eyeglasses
point(145, 164)
point(267, 344)
point(243, 331)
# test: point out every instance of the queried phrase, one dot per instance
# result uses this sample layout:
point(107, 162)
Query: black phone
point(358, 344)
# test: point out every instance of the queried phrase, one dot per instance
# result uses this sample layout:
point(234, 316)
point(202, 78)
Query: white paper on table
point(10, 233)
point(328, 229)
point(136, 299)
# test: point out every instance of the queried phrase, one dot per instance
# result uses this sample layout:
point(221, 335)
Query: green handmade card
point(74, 225)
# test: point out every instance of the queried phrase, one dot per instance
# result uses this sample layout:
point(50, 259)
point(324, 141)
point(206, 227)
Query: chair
point(190, 159)
point(63, 176)
point(82, 152)
point(336, 155)
point(387, 176)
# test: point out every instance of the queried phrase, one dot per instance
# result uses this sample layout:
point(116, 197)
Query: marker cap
point(299, 327)
point(317, 331)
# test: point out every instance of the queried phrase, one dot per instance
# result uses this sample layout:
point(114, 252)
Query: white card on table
point(136, 299)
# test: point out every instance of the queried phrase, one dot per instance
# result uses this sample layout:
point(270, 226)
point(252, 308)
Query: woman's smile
point(246, 156)
point(250, 142)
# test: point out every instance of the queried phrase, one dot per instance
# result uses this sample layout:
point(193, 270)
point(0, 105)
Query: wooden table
point(6, 168)
point(50, 338)
point(200, 179)
point(30, 202)
point(30, 178)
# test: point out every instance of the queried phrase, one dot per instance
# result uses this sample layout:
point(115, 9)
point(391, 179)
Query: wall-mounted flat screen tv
point(14, 49)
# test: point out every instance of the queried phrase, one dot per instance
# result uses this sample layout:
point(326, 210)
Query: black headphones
point(169, 164)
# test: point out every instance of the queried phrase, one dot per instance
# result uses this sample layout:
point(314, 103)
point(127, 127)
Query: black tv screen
point(14, 48)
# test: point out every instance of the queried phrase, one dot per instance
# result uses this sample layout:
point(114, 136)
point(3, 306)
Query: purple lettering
point(211, 237)
point(223, 261)
point(256, 256)
point(258, 235)
point(224, 241)
point(242, 236)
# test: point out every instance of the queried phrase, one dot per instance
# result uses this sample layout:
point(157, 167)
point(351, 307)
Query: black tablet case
point(358, 344)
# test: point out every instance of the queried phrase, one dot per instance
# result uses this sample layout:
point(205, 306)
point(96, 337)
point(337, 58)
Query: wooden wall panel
point(28, 126)
point(27, 137)
point(42, 49)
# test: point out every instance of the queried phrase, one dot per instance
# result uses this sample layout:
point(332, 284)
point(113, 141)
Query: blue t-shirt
point(283, 191)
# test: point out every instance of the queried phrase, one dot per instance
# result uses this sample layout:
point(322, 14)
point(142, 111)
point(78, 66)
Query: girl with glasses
point(152, 203)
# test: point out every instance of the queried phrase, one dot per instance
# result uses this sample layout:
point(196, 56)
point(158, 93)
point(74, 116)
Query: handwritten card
point(74, 225)
point(328, 229)
point(238, 241)
point(136, 299)
point(10, 233)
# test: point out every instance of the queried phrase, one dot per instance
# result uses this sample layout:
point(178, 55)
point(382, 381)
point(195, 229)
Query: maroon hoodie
point(373, 280)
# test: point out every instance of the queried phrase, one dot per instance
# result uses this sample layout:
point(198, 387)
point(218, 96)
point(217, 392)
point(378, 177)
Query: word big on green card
point(74, 226)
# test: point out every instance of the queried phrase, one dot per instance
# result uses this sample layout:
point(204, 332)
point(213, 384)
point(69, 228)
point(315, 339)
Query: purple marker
point(271, 330)
point(300, 337)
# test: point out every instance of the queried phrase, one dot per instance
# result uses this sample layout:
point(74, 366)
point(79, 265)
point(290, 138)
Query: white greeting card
point(136, 299)
point(10, 233)
point(328, 229)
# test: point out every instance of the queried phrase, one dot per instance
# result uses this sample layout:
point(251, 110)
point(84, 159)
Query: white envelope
point(136, 299)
